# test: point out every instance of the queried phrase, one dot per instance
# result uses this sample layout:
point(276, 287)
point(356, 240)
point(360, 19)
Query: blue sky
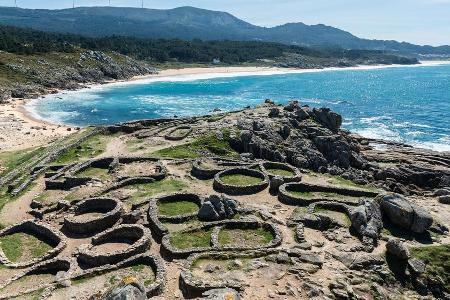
point(417, 21)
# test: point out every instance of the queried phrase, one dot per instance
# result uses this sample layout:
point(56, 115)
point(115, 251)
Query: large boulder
point(401, 212)
point(367, 221)
point(217, 207)
point(398, 249)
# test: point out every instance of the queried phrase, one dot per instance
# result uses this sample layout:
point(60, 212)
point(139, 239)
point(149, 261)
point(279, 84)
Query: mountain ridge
point(190, 23)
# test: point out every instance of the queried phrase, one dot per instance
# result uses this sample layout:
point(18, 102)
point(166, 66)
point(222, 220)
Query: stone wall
point(287, 198)
point(111, 210)
point(173, 253)
point(41, 231)
point(137, 236)
point(229, 189)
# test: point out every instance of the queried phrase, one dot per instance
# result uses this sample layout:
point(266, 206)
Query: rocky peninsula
point(272, 202)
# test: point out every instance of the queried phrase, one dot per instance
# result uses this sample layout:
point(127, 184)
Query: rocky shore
point(33, 76)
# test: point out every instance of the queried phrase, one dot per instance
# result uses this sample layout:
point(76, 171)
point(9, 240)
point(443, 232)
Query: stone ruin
point(293, 222)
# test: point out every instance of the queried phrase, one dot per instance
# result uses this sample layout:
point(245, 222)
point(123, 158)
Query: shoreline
point(18, 122)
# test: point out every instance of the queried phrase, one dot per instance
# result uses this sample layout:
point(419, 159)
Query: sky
point(416, 21)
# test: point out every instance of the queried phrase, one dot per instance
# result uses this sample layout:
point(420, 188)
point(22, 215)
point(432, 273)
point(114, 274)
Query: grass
point(281, 172)
point(339, 181)
point(88, 149)
point(16, 245)
point(151, 189)
point(99, 173)
point(437, 259)
point(134, 144)
point(337, 215)
point(177, 208)
point(195, 239)
point(197, 148)
point(10, 160)
point(239, 179)
point(248, 237)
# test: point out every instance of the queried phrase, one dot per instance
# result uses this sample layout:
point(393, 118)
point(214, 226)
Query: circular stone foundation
point(299, 193)
point(179, 133)
point(287, 172)
point(208, 168)
point(39, 231)
point(93, 215)
point(240, 181)
point(135, 238)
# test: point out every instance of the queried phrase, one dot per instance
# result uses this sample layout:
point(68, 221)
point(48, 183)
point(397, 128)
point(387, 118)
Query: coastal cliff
point(29, 76)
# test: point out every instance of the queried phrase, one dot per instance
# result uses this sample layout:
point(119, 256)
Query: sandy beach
point(20, 130)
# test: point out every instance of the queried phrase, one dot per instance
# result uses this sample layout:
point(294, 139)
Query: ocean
point(403, 104)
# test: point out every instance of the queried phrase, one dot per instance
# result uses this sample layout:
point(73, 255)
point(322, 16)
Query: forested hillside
point(189, 23)
point(28, 41)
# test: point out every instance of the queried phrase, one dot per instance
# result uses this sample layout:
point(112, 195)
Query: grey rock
point(292, 106)
point(221, 294)
point(217, 207)
point(444, 199)
point(367, 220)
point(207, 212)
point(275, 183)
point(132, 217)
point(416, 266)
point(398, 249)
point(358, 260)
point(274, 112)
point(441, 192)
point(283, 258)
point(127, 292)
point(422, 220)
point(326, 117)
point(403, 213)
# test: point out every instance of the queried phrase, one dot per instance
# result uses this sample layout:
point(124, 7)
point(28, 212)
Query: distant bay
point(404, 104)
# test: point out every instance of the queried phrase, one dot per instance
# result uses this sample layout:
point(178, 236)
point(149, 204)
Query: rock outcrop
point(367, 221)
point(217, 207)
point(401, 212)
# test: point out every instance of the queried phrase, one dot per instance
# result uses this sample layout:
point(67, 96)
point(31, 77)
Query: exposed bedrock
point(217, 207)
point(403, 213)
point(312, 139)
point(367, 221)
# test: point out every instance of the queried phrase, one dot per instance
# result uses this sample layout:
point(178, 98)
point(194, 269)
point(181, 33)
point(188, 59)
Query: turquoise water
point(405, 104)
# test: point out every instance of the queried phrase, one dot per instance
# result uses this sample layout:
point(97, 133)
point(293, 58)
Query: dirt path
point(17, 210)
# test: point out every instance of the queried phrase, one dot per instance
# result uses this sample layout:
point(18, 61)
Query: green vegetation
point(10, 160)
point(437, 259)
point(281, 172)
point(192, 239)
point(88, 149)
point(246, 237)
point(195, 149)
point(151, 189)
point(29, 41)
point(99, 173)
point(177, 208)
point(339, 181)
point(339, 216)
point(21, 245)
point(240, 179)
